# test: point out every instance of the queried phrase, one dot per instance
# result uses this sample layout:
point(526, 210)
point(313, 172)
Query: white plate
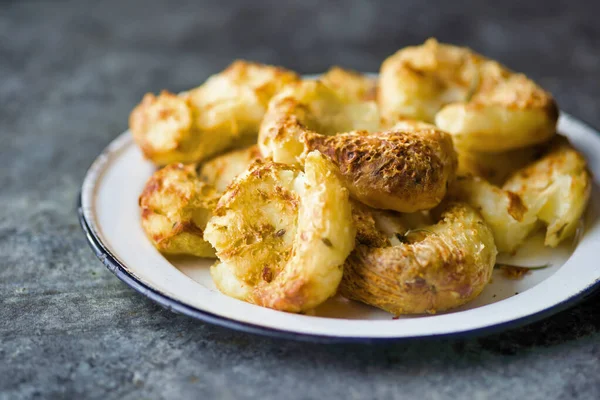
point(110, 217)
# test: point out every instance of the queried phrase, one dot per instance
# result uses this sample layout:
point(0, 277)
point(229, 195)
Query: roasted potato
point(404, 171)
point(175, 207)
point(310, 106)
point(557, 188)
point(208, 119)
point(425, 270)
point(222, 170)
point(553, 191)
point(282, 235)
point(510, 220)
point(350, 84)
point(396, 191)
point(485, 106)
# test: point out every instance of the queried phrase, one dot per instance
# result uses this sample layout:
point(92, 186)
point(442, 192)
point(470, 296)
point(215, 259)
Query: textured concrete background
point(69, 74)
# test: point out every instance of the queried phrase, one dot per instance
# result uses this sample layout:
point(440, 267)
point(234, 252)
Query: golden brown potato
point(208, 119)
point(282, 235)
point(557, 189)
point(485, 106)
point(175, 207)
point(222, 170)
point(403, 171)
point(350, 84)
point(552, 191)
point(310, 106)
point(426, 270)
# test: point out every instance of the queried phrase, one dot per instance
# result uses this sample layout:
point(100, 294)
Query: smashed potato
point(508, 217)
point(557, 188)
point(310, 106)
point(208, 119)
point(350, 84)
point(282, 235)
point(175, 207)
point(221, 171)
point(553, 191)
point(485, 106)
point(404, 171)
point(425, 270)
point(396, 191)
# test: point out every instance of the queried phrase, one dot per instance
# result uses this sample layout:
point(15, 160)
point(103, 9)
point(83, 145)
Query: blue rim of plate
point(118, 269)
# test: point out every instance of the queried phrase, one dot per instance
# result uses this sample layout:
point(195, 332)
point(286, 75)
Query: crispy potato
point(208, 119)
point(175, 207)
point(427, 270)
point(557, 188)
point(310, 106)
point(485, 106)
point(494, 167)
point(508, 217)
point(350, 84)
point(403, 171)
point(554, 191)
point(222, 170)
point(282, 235)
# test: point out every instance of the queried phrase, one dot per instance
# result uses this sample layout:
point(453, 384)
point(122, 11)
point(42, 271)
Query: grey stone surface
point(70, 71)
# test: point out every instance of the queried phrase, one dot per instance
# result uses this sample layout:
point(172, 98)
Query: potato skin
point(404, 171)
point(175, 207)
point(208, 119)
point(282, 235)
point(438, 268)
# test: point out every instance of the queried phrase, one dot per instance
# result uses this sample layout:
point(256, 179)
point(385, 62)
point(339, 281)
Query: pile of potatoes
point(396, 191)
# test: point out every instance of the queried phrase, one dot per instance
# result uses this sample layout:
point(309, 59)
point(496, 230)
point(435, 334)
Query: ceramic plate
point(110, 218)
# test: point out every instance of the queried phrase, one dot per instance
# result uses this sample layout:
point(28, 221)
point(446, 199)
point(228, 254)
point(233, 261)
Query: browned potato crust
point(404, 171)
point(428, 270)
